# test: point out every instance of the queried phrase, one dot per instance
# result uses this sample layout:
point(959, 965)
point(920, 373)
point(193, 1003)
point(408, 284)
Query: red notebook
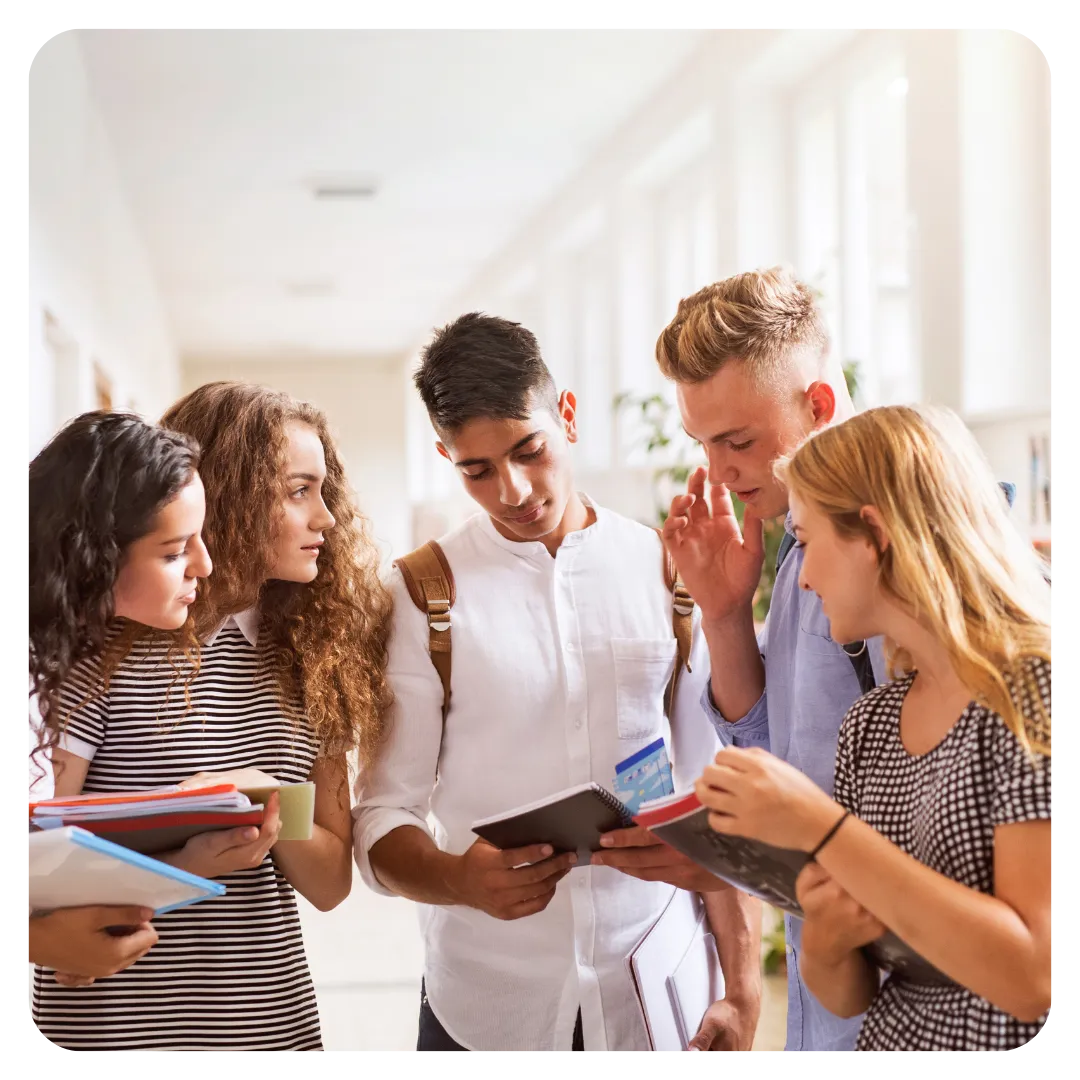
point(219, 794)
point(153, 833)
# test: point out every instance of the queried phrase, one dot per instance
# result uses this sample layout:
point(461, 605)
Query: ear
point(568, 414)
point(822, 399)
point(870, 515)
point(442, 450)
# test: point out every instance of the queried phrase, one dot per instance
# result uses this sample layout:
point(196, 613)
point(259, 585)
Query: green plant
point(773, 941)
point(660, 435)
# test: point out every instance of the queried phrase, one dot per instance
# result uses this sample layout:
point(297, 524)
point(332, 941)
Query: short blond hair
point(763, 318)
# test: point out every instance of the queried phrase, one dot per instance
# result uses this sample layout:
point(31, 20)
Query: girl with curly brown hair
point(116, 509)
point(290, 677)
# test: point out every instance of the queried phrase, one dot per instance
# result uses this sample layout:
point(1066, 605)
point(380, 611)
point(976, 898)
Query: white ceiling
point(216, 134)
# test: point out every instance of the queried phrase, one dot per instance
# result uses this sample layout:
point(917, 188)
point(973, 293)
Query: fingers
point(542, 871)
point(532, 854)
point(119, 915)
point(138, 944)
point(66, 979)
point(723, 823)
point(753, 530)
point(636, 836)
point(703, 1040)
point(529, 907)
point(509, 897)
point(658, 855)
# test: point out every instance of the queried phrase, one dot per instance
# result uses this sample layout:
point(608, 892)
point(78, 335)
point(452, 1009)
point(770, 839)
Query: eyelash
point(741, 446)
point(299, 491)
point(487, 472)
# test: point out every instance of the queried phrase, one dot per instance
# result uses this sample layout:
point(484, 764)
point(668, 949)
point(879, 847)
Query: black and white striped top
point(229, 973)
point(942, 807)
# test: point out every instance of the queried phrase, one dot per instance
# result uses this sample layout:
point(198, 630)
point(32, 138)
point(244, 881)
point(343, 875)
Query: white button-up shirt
point(559, 668)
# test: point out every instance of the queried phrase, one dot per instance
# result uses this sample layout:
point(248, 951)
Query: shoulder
point(1029, 683)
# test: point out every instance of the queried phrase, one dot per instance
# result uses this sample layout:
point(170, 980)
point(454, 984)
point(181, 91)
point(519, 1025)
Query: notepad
point(570, 820)
point(70, 867)
point(762, 870)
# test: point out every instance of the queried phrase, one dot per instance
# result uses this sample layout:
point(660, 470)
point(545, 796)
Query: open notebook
point(70, 867)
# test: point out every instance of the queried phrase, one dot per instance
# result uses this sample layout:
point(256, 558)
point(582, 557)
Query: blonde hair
point(763, 318)
point(954, 561)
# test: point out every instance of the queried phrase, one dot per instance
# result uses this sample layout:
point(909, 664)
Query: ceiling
point(218, 135)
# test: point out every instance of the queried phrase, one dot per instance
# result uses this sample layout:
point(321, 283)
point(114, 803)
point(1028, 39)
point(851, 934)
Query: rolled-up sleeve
point(396, 789)
point(751, 729)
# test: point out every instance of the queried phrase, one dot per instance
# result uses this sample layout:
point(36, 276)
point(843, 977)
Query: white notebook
point(677, 948)
point(71, 867)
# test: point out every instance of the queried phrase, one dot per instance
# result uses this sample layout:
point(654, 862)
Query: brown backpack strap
point(682, 622)
point(430, 583)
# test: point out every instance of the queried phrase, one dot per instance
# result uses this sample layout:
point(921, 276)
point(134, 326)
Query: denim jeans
point(433, 1035)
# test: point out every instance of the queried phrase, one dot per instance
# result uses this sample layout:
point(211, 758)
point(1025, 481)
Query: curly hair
point(328, 640)
point(94, 489)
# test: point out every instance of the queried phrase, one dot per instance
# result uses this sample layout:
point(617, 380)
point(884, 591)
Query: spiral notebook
point(570, 820)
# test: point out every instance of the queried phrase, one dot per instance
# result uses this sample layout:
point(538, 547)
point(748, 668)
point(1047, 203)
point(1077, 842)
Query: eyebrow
point(723, 434)
point(176, 540)
point(487, 461)
point(304, 476)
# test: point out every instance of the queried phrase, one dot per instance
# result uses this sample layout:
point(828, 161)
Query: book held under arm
point(764, 871)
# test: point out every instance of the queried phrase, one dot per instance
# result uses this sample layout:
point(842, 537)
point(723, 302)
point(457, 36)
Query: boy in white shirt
point(562, 650)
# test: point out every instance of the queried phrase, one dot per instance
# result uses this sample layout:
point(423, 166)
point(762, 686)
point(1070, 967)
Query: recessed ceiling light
point(344, 186)
point(314, 287)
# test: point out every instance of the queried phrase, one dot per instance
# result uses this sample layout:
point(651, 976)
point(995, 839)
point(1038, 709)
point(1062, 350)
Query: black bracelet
point(830, 834)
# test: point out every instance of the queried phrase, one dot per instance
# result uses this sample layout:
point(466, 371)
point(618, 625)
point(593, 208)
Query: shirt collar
point(533, 549)
point(247, 622)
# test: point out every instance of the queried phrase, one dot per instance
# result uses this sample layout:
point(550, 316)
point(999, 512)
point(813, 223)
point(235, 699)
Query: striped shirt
point(229, 973)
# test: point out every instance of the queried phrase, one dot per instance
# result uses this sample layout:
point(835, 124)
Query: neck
point(576, 516)
point(927, 653)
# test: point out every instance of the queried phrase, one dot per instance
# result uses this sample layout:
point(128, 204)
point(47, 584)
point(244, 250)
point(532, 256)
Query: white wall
point(88, 268)
point(364, 402)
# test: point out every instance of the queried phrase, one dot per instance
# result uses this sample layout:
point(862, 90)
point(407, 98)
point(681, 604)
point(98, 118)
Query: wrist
point(821, 816)
point(729, 621)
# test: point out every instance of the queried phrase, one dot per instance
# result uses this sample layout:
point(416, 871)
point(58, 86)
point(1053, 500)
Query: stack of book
point(150, 821)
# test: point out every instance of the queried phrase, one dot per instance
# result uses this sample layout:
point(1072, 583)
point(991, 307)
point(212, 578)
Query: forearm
point(975, 938)
point(845, 987)
point(735, 921)
point(320, 869)
point(408, 862)
point(738, 674)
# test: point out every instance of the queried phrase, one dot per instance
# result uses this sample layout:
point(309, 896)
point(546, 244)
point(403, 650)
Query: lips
point(531, 516)
point(746, 496)
point(188, 598)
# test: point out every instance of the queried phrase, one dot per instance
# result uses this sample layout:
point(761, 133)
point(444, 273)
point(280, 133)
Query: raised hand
point(719, 563)
point(510, 884)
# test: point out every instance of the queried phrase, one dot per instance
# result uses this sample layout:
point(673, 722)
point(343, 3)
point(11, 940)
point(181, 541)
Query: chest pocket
point(643, 667)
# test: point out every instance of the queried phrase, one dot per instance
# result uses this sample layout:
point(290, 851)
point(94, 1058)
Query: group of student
point(206, 605)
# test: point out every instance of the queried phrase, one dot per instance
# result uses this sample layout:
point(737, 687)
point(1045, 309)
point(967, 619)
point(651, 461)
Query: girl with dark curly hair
point(116, 509)
point(293, 630)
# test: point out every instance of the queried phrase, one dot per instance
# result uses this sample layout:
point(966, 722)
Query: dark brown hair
point(483, 367)
point(94, 489)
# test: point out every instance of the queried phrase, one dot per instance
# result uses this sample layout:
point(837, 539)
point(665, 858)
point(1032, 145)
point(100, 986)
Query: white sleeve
point(694, 742)
point(396, 789)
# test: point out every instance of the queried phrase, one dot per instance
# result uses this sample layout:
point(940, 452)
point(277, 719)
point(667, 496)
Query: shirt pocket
point(643, 668)
point(814, 625)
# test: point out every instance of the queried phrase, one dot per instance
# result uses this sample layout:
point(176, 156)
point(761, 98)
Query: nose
point(514, 487)
point(199, 565)
point(803, 583)
point(721, 470)
point(324, 520)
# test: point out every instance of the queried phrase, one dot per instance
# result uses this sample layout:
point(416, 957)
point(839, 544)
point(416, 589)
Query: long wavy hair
point(955, 561)
point(328, 639)
point(94, 489)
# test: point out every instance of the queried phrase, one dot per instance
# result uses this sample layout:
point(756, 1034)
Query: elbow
point(329, 900)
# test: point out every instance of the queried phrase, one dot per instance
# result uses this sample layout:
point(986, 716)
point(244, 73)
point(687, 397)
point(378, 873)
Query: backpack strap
point(430, 582)
point(682, 622)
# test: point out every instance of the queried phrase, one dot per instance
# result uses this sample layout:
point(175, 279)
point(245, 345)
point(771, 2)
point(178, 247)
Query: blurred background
point(301, 208)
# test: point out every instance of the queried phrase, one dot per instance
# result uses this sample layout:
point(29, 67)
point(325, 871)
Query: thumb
point(703, 1040)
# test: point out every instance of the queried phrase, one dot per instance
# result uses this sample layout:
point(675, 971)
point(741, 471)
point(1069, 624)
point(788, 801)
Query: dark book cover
point(767, 872)
point(570, 820)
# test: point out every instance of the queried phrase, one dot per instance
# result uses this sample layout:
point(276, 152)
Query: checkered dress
point(942, 808)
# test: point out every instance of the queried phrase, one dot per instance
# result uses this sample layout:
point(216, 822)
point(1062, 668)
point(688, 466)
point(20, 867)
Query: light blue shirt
point(809, 686)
